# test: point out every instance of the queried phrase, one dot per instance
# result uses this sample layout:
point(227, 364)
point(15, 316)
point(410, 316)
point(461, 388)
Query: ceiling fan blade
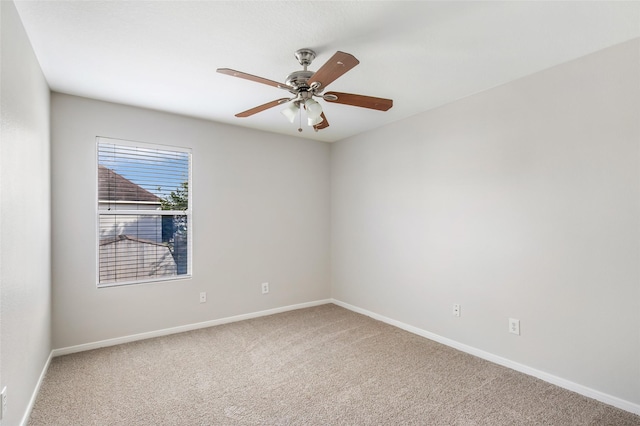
point(362, 101)
point(262, 107)
point(240, 74)
point(323, 124)
point(335, 67)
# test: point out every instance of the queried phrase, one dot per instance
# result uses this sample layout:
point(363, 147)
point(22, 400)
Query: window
point(144, 212)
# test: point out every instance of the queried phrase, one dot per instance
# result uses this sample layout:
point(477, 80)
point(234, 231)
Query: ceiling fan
point(304, 85)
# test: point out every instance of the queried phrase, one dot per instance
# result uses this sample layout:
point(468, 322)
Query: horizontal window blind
point(144, 212)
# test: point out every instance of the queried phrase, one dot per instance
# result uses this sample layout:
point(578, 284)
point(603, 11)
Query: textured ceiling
point(163, 54)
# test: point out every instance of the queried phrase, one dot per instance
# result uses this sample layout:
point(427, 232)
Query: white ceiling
point(163, 54)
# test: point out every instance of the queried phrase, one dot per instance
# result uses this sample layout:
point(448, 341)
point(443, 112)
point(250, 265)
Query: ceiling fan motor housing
point(298, 79)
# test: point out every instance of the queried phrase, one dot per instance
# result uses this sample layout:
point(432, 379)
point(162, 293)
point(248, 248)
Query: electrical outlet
point(3, 404)
point(456, 310)
point(265, 288)
point(514, 326)
point(203, 296)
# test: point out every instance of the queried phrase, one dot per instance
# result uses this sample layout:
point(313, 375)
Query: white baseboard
point(34, 395)
point(550, 378)
point(167, 331)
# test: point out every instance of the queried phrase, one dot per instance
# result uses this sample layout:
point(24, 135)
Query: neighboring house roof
point(114, 187)
point(128, 258)
point(111, 240)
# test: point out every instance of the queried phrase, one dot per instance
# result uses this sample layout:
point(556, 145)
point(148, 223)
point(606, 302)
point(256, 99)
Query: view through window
point(144, 212)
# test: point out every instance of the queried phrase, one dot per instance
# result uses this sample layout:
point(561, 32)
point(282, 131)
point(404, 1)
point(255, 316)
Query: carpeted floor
point(317, 366)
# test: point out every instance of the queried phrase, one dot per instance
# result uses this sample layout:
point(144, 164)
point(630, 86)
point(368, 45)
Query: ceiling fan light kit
point(291, 111)
point(304, 85)
point(314, 121)
point(314, 109)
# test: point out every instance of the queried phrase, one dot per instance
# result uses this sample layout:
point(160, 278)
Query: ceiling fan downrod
point(298, 79)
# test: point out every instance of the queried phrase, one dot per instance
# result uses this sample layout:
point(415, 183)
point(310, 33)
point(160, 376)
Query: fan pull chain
point(300, 123)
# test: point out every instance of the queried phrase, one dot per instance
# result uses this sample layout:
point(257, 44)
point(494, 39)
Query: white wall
point(521, 201)
point(25, 236)
point(261, 213)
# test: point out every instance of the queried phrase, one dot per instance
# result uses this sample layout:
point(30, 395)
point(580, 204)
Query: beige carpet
point(318, 366)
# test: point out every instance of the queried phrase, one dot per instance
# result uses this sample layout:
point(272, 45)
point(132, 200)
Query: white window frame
point(187, 212)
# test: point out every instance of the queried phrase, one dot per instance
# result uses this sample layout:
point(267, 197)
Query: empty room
point(319, 213)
